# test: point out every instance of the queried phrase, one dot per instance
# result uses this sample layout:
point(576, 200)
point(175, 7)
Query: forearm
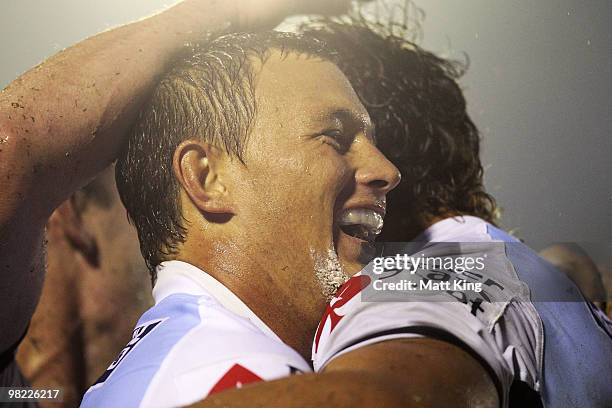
point(334, 389)
point(402, 372)
point(64, 120)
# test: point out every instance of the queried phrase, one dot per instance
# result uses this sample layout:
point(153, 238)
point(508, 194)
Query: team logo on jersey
point(235, 377)
point(138, 334)
point(348, 291)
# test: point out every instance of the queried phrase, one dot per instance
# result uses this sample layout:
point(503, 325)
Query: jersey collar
point(175, 277)
point(465, 228)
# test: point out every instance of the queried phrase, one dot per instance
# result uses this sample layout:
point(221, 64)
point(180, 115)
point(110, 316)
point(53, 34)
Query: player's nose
point(374, 169)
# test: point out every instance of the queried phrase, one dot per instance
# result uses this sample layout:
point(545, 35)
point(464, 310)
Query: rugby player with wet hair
point(204, 178)
point(523, 333)
point(66, 120)
point(279, 251)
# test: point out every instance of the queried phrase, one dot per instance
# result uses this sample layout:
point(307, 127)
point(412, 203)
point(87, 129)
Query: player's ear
point(195, 166)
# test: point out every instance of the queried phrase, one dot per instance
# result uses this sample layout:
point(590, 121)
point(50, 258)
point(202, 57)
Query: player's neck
point(291, 314)
point(282, 313)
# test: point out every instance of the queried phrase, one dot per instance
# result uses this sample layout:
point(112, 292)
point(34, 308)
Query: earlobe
point(194, 167)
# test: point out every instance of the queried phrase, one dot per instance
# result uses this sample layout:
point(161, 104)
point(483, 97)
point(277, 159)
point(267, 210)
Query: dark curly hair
point(422, 125)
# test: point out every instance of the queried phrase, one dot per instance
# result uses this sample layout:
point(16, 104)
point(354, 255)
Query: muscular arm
point(406, 372)
point(64, 121)
point(60, 124)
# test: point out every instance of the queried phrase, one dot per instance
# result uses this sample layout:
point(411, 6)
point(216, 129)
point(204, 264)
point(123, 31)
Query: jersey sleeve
point(225, 369)
point(498, 326)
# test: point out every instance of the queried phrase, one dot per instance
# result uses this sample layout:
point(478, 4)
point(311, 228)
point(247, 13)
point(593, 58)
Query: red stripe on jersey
point(346, 292)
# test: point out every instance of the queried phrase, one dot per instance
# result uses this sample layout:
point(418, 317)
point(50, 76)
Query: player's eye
point(333, 133)
point(336, 138)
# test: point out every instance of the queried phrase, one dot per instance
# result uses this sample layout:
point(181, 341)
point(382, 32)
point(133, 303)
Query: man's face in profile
point(311, 169)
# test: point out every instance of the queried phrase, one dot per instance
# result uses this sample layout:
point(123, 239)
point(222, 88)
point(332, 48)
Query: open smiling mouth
point(361, 223)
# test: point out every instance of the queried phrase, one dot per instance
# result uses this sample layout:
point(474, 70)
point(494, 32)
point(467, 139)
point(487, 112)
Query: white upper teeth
point(369, 219)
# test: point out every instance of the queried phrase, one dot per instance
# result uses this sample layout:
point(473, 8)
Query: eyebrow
point(345, 115)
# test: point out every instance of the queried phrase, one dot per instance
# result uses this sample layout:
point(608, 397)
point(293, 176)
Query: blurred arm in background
point(96, 287)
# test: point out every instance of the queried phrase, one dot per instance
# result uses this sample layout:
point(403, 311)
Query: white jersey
point(505, 334)
point(198, 339)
